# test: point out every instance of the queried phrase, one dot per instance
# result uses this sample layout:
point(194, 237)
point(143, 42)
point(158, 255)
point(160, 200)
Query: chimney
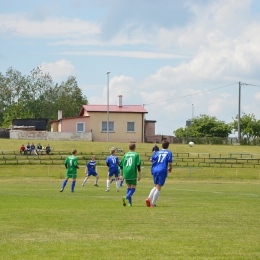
point(120, 101)
point(59, 114)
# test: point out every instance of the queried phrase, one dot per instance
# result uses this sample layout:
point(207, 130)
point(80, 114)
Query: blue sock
point(128, 190)
point(130, 194)
point(132, 191)
point(64, 184)
point(130, 200)
point(73, 185)
point(121, 183)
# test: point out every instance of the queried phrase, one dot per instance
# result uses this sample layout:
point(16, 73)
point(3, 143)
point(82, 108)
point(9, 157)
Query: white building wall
point(44, 135)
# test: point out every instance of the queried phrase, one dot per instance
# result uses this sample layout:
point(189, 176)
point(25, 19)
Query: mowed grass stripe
point(191, 221)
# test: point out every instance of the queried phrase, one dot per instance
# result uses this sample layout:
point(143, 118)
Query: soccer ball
point(191, 144)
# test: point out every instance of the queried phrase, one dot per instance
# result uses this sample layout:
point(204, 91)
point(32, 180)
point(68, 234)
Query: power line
point(250, 85)
point(191, 94)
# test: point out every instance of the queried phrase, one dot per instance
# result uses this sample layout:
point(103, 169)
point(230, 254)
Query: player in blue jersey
point(112, 162)
point(161, 166)
point(91, 170)
point(121, 179)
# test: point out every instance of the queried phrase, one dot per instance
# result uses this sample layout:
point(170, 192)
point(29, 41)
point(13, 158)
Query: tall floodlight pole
point(108, 106)
point(192, 115)
point(238, 120)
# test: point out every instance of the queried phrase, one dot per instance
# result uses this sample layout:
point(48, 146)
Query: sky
point(178, 59)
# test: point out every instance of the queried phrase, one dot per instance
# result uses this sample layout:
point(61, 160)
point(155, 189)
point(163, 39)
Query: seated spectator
point(33, 149)
point(39, 148)
point(48, 149)
point(28, 149)
point(22, 149)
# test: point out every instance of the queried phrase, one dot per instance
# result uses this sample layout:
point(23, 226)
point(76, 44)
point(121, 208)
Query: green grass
point(195, 218)
point(202, 213)
point(97, 147)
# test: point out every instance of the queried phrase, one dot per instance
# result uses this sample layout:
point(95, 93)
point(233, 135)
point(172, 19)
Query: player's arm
point(139, 172)
point(107, 161)
point(121, 171)
point(76, 164)
point(169, 167)
point(66, 164)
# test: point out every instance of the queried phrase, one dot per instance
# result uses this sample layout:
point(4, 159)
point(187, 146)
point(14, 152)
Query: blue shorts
point(92, 173)
point(159, 179)
point(110, 174)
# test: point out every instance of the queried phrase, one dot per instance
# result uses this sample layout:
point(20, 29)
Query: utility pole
point(239, 105)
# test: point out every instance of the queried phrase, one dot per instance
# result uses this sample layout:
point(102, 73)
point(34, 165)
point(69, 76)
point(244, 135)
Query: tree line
point(210, 127)
point(37, 96)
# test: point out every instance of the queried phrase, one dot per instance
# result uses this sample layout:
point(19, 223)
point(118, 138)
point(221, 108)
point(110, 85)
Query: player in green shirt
point(71, 164)
point(130, 166)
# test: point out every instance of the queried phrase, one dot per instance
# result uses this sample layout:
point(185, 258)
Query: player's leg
point(108, 181)
point(64, 184)
point(131, 187)
point(160, 183)
point(117, 182)
point(128, 189)
point(96, 181)
point(150, 197)
point(73, 184)
point(85, 180)
point(132, 191)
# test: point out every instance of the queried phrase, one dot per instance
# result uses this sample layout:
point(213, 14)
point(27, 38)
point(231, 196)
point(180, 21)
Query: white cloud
point(119, 85)
point(257, 96)
point(59, 70)
point(128, 54)
point(217, 45)
point(51, 27)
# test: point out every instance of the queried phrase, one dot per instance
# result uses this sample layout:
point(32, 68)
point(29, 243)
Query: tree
point(205, 126)
point(250, 127)
point(69, 98)
point(36, 96)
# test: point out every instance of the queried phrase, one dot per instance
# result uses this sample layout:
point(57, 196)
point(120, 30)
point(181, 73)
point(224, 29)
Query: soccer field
point(194, 219)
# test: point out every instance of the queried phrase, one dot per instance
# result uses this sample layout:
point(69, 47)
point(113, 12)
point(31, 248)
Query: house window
point(130, 127)
point(111, 126)
point(80, 127)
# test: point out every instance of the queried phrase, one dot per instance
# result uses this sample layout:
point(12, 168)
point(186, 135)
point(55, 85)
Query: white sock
point(85, 180)
point(117, 185)
point(108, 184)
point(155, 196)
point(152, 193)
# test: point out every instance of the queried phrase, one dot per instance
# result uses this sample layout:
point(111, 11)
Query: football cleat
point(124, 201)
point(61, 190)
point(107, 190)
point(96, 185)
point(148, 202)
